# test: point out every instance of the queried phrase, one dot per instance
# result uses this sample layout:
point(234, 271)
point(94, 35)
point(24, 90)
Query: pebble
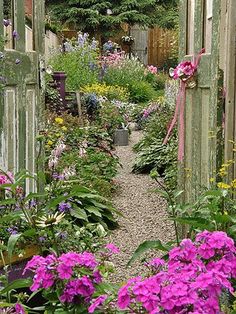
point(145, 215)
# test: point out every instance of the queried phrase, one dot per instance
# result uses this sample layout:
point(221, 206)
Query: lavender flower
point(17, 61)
point(42, 239)
point(12, 230)
point(6, 22)
point(64, 207)
point(15, 35)
point(62, 235)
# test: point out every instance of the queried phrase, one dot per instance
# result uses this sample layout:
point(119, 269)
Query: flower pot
point(121, 137)
point(29, 251)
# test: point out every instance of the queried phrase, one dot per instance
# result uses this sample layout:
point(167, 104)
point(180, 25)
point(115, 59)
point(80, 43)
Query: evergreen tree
point(106, 16)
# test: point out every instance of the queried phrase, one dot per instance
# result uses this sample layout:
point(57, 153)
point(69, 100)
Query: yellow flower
point(64, 128)
point(212, 180)
point(58, 134)
point(59, 120)
point(223, 185)
point(49, 143)
point(233, 184)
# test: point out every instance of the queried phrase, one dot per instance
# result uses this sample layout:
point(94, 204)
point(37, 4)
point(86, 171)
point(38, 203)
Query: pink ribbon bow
point(184, 68)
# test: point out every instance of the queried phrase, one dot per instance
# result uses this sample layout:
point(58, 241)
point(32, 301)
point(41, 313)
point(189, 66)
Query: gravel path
point(144, 213)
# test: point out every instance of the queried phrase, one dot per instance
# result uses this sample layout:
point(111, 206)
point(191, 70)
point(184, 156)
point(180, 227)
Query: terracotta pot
point(29, 251)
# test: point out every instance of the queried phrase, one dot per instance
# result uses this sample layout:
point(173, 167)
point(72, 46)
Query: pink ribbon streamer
point(179, 112)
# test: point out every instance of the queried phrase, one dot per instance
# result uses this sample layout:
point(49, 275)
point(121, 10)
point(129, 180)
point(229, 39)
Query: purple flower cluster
point(192, 280)
point(64, 207)
point(65, 270)
point(149, 110)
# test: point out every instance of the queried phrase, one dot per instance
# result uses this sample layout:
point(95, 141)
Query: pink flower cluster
point(113, 59)
point(51, 270)
point(152, 69)
point(183, 71)
point(6, 179)
point(149, 110)
point(191, 281)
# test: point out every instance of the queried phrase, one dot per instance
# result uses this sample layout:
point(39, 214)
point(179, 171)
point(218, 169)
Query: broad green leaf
point(147, 245)
point(93, 210)
point(79, 213)
point(11, 244)
point(17, 284)
point(7, 202)
point(196, 222)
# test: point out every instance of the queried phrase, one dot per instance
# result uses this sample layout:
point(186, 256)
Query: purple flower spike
point(17, 61)
point(15, 34)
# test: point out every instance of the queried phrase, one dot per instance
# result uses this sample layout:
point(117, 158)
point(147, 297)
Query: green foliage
point(141, 92)
point(21, 215)
point(126, 73)
point(79, 66)
point(88, 153)
point(149, 245)
point(167, 15)
point(130, 74)
point(92, 15)
point(152, 154)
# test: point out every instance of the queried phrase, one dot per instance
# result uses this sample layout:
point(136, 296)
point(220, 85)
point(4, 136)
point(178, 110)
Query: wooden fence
point(161, 45)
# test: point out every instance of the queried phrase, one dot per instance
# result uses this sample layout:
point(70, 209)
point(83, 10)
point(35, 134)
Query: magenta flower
point(19, 309)
point(112, 248)
point(6, 179)
point(97, 302)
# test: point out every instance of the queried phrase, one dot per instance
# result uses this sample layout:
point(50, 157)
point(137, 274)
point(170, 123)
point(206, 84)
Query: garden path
point(145, 216)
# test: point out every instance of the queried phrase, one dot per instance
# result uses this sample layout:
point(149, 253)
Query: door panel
point(23, 99)
point(203, 113)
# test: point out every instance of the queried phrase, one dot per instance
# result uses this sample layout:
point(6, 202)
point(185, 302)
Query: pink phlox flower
point(70, 259)
point(34, 263)
point(124, 293)
point(19, 309)
point(157, 262)
point(82, 286)
point(112, 248)
point(64, 271)
point(185, 252)
point(88, 260)
point(6, 179)
point(147, 292)
point(97, 277)
point(97, 302)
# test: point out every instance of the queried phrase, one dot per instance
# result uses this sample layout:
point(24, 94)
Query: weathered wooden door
point(200, 28)
point(140, 45)
point(20, 106)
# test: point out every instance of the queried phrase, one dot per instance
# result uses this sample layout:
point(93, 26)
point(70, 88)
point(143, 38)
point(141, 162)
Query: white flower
point(50, 220)
point(53, 161)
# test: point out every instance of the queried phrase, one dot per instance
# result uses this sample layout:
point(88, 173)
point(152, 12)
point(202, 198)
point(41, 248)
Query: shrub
point(151, 153)
point(141, 91)
point(124, 72)
point(108, 91)
point(80, 64)
point(82, 153)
